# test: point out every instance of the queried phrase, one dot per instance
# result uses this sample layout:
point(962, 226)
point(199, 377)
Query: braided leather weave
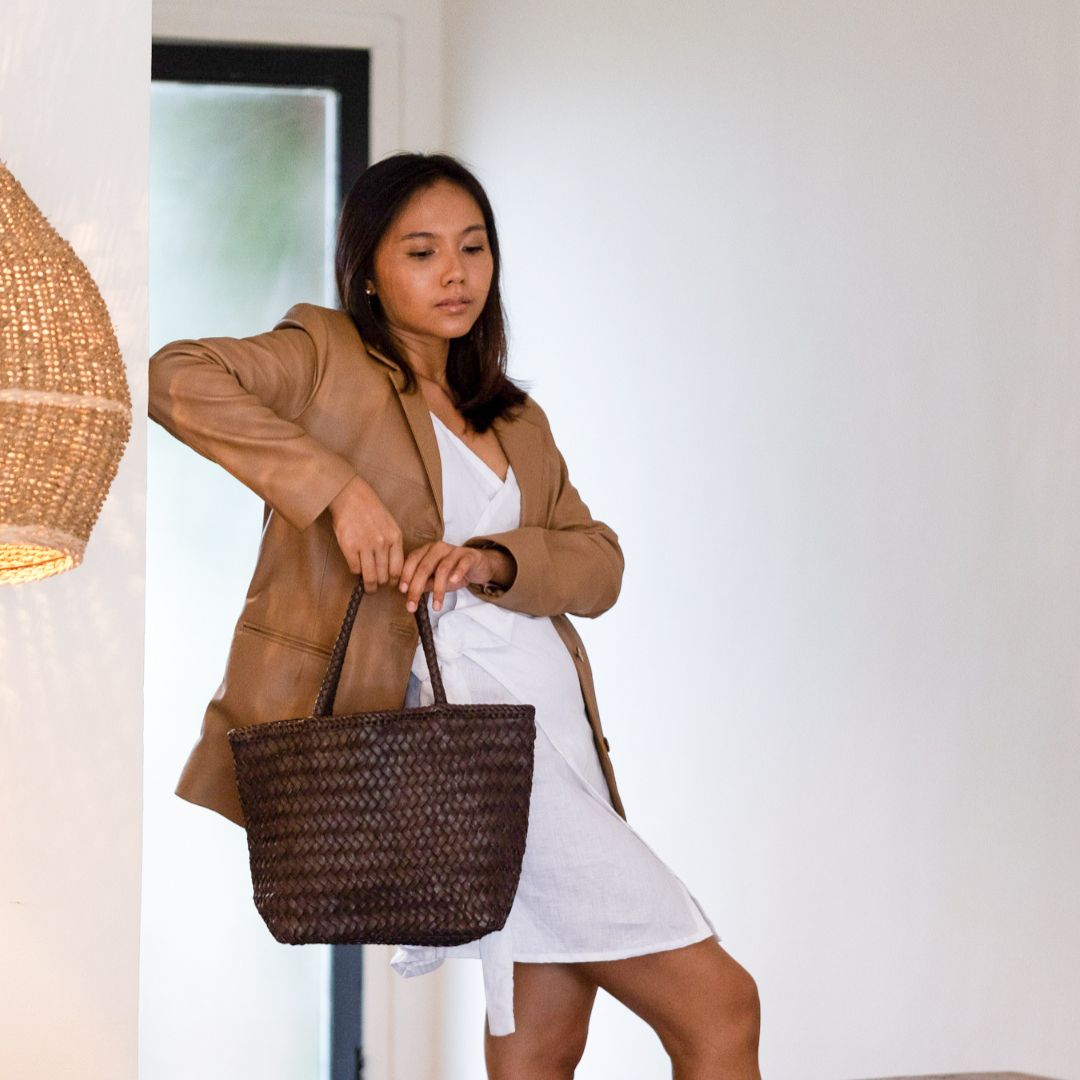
point(397, 827)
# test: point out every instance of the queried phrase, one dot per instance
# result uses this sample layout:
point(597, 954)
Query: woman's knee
point(550, 1054)
point(718, 1026)
point(552, 1007)
point(561, 1043)
point(565, 1047)
point(750, 1008)
point(740, 1018)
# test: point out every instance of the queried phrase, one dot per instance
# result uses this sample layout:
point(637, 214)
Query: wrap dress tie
point(590, 888)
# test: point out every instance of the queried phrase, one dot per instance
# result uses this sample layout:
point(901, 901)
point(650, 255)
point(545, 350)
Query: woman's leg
point(552, 1005)
point(701, 1003)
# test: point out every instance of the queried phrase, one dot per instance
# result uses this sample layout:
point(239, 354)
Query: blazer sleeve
point(572, 565)
point(236, 401)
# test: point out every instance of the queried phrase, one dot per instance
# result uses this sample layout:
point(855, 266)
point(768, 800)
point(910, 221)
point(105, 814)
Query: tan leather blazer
point(295, 413)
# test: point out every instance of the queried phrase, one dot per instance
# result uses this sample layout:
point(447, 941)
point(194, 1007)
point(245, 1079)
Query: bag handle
point(324, 703)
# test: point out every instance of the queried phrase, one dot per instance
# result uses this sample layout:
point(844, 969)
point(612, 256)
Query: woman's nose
point(454, 269)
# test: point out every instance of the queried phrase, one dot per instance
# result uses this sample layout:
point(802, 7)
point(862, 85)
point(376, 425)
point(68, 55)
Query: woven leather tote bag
point(397, 827)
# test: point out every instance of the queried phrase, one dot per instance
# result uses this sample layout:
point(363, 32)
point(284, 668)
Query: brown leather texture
point(295, 413)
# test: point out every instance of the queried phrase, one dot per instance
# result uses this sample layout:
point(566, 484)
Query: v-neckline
point(469, 449)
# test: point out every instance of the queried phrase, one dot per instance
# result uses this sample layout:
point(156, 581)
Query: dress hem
point(617, 954)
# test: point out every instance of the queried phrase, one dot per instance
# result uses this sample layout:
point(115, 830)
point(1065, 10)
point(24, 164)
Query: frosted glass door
point(243, 201)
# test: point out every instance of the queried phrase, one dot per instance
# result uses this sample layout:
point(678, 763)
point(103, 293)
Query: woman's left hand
point(437, 566)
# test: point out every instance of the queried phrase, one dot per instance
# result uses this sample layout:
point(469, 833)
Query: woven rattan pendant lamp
point(65, 407)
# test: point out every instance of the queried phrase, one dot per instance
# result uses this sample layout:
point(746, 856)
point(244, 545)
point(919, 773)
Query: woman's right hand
point(369, 537)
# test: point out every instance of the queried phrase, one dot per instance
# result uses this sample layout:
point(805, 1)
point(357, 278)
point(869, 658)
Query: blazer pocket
point(290, 641)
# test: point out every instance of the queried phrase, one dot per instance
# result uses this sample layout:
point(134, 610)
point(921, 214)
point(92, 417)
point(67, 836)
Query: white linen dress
point(590, 887)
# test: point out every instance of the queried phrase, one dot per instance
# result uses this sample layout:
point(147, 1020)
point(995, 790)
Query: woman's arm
point(572, 565)
point(235, 400)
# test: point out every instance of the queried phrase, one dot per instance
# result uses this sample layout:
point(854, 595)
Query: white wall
point(73, 130)
point(797, 283)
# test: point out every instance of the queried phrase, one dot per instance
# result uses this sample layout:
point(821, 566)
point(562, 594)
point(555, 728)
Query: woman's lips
point(455, 307)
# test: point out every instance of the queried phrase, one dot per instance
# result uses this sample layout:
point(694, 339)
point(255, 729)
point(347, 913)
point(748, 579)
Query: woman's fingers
point(419, 579)
point(381, 564)
point(436, 568)
point(382, 561)
point(408, 569)
point(421, 572)
point(397, 560)
point(457, 566)
point(367, 533)
point(441, 576)
point(474, 566)
point(369, 569)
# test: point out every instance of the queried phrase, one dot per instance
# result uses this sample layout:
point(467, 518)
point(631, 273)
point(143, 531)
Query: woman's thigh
point(693, 997)
point(552, 1006)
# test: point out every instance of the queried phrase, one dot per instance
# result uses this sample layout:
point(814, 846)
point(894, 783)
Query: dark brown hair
point(476, 363)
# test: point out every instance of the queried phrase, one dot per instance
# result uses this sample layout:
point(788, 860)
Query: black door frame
point(347, 71)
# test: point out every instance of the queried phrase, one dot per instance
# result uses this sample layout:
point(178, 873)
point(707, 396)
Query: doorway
point(252, 149)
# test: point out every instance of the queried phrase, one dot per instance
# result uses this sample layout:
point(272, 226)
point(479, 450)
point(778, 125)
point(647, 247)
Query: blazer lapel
point(423, 433)
point(522, 442)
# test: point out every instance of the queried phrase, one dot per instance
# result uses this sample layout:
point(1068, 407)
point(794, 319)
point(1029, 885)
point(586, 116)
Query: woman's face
point(436, 250)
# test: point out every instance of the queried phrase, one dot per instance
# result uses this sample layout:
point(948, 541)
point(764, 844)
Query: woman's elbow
point(608, 579)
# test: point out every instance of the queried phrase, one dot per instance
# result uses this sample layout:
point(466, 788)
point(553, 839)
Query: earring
point(370, 291)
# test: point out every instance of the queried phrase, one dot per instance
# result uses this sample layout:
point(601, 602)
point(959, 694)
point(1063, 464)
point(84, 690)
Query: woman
point(387, 441)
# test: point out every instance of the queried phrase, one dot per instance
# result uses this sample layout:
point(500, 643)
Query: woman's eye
point(425, 254)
